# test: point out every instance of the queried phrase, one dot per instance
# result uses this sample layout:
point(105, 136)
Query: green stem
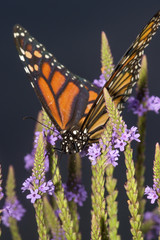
point(112, 208)
point(14, 229)
point(62, 204)
point(42, 229)
point(99, 217)
point(74, 177)
point(140, 166)
point(132, 193)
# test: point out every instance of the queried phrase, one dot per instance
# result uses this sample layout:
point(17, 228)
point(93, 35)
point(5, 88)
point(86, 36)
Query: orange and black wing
point(66, 98)
point(121, 81)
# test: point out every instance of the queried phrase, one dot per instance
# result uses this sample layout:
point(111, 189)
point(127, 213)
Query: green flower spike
point(99, 215)
point(52, 221)
point(74, 178)
point(132, 193)
point(38, 173)
point(11, 197)
point(156, 171)
point(62, 204)
point(112, 205)
point(131, 186)
point(106, 57)
point(140, 166)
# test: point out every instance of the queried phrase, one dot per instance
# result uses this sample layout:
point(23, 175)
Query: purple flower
point(29, 160)
point(126, 135)
point(78, 193)
point(43, 188)
point(28, 184)
point(81, 195)
point(118, 140)
point(137, 107)
point(50, 187)
point(12, 209)
point(59, 235)
point(46, 162)
point(36, 137)
point(113, 157)
point(151, 194)
point(153, 104)
point(120, 144)
point(154, 231)
point(33, 195)
point(93, 152)
point(133, 134)
point(147, 103)
point(1, 193)
point(57, 212)
point(100, 82)
point(50, 138)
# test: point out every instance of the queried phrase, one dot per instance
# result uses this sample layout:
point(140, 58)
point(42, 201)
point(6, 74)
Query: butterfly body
point(75, 106)
point(74, 140)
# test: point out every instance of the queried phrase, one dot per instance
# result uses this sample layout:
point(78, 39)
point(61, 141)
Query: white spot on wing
point(22, 58)
point(32, 85)
point(16, 35)
point(22, 51)
point(59, 67)
point(26, 70)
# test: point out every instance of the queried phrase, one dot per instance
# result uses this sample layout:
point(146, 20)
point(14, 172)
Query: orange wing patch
point(57, 81)
point(128, 60)
point(37, 54)
point(92, 96)
point(49, 98)
point(46, 69)
point(28, 54)
point(88, 108)
point(123, 80)
point(147, 31)
point(65, 102)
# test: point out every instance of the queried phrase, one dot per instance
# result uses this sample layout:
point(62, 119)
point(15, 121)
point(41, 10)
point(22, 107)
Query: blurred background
point(71, 30)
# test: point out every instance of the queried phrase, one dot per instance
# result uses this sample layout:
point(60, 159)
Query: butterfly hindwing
point(66, 98)
point(122, 79)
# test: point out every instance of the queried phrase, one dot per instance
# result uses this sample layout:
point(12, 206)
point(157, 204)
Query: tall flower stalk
point(142, 88)
point(13, 210)
point(39, 174)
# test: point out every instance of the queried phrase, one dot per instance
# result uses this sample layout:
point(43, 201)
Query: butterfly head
point(74, 140)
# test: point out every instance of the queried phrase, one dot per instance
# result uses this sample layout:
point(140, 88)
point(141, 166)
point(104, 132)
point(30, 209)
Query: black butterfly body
point(74, 105)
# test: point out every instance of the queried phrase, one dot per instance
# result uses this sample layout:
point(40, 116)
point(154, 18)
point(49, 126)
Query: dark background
point(71, 30)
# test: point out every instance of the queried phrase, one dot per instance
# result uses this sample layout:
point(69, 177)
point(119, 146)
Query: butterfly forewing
point(122, 79)
point(66, 98)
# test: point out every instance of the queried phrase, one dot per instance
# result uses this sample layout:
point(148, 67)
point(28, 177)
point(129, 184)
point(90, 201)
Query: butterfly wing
point(66, 98)
point(121, 81)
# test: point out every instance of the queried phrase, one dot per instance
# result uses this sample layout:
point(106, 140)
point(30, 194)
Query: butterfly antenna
point(29, 117)
point(58, 150)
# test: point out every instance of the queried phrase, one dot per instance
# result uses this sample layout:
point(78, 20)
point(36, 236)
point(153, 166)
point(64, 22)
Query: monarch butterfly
point(74, 105)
